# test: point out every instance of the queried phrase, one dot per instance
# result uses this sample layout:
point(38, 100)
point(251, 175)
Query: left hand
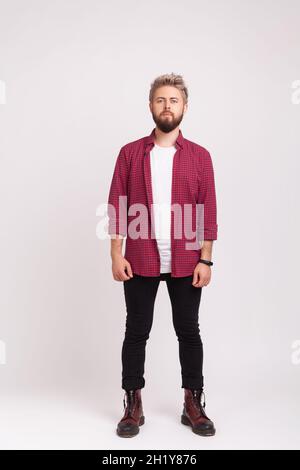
point(202, 275)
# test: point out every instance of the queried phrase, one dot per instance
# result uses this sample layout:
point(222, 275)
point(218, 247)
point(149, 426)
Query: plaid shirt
point(192, 183)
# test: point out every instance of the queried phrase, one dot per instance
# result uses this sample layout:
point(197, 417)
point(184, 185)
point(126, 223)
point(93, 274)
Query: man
point(163, 170)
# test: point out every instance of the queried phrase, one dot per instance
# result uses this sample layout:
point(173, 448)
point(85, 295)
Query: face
point(167, 108)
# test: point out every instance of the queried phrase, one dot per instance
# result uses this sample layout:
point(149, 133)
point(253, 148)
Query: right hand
point(121, 268)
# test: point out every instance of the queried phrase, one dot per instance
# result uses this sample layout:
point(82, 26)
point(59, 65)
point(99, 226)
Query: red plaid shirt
point(192, 183)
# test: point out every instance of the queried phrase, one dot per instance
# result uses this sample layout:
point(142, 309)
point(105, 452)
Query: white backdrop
point(75, 77)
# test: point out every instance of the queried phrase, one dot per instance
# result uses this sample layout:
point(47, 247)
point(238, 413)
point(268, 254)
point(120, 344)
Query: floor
point(62, 420)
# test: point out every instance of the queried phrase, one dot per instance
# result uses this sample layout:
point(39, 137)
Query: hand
point(202, 275)
point(121, 268)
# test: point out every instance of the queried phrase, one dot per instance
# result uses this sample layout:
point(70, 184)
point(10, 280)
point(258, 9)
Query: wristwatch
point(205, 261)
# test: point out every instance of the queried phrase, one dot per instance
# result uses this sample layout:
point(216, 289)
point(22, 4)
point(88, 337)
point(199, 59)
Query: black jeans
point(140, 293)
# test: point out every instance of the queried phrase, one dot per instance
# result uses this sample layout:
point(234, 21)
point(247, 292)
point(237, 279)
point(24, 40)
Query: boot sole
point(141, 422)
point(185, 420)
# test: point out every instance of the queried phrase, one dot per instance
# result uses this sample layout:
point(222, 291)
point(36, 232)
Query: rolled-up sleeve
point(117, 198)
point(207, 197)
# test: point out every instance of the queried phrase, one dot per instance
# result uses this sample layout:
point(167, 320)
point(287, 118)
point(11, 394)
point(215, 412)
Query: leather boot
point(133, 414)
point(194, 415)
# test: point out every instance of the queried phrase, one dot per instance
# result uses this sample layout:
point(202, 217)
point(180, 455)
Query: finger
point(195, 277)
point(129, 270)
point(124, 276)
point(200, 283)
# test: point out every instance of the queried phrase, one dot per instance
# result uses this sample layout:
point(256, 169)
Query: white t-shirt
point(161, 160)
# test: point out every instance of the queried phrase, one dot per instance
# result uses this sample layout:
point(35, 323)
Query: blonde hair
point(172, 80)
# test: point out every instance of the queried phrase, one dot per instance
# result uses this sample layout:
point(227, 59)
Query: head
point(168, 101)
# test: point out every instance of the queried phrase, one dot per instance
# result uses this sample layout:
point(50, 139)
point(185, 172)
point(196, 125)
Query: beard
point(167, 123)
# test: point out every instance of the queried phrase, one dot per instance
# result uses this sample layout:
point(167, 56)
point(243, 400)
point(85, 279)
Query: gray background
point(77, 76)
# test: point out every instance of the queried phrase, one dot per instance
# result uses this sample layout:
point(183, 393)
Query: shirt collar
point(149, 140)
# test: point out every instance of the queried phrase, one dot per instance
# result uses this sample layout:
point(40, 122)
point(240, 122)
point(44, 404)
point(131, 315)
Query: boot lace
point(199, 400)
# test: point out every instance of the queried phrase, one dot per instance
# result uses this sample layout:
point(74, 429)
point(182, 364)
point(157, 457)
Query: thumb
point(195, 277)
point(129, 270)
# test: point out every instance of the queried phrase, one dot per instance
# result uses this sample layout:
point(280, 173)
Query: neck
point(166, 140)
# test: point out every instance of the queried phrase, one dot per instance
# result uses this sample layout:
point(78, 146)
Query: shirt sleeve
point(207, 197)
point(117, 198)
